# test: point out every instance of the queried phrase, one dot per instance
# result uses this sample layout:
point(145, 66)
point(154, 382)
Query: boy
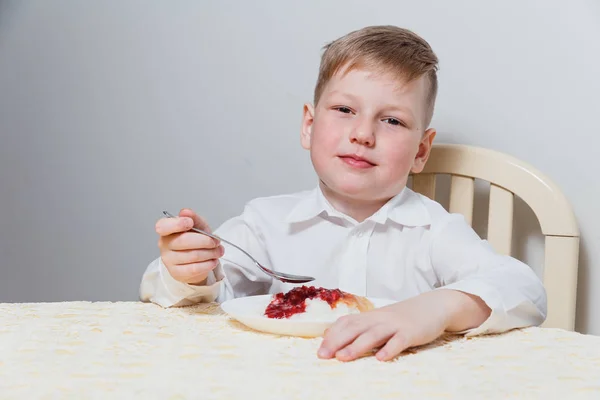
point(361, 229)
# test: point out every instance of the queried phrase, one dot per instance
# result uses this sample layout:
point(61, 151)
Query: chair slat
point(462, 191)
point(561, 257)
point(424, 184)
point(500, 219)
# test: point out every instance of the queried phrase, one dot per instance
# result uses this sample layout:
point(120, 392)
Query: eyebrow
point(408, 112)
point(348, 95)
point(387, 107)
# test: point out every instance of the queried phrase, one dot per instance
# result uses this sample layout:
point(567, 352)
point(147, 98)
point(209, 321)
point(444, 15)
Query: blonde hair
point(385, 49)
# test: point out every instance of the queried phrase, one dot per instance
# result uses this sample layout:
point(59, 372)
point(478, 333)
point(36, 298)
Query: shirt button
point(359, 233)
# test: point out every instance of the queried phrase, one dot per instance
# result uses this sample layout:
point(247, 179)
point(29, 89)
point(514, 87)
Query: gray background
point(112, 111)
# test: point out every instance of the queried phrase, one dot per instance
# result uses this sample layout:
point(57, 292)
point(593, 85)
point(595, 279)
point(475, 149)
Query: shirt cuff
point(496, 321)
point(176, 293)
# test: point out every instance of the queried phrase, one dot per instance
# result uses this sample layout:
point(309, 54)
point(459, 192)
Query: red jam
point(284, 305)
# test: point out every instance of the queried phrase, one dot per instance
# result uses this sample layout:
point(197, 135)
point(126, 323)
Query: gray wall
point(113, 111)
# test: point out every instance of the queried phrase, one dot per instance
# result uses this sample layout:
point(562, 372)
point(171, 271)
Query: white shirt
point(410, 246)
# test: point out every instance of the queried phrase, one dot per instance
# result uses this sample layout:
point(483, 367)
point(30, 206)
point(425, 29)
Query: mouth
point(356, 161)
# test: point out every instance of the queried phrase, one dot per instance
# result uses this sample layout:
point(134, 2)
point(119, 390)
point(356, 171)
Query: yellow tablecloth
point(136, 350)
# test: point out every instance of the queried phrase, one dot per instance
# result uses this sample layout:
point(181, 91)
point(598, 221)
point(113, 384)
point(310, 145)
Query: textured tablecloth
point(137, 350)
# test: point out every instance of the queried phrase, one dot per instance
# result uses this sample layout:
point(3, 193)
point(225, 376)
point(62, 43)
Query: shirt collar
point(309, 207)
point(406, 208)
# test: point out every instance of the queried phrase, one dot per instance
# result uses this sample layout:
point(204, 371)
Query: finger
point(199, 222)
point(188, 241)
point(368, 340)
point(190, 273)
point(396, 345)
point(193, 256)
point(342, 332)
point(169, 226)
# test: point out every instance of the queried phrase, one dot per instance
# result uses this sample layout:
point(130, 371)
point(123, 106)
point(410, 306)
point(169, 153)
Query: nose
point(363, 133)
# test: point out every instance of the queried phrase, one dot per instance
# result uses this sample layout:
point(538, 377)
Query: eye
point(343, 109)
point(394, 121)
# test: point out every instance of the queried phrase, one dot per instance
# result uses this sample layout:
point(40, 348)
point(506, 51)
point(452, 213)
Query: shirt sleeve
point(235, 275)
point(465, 262)
point(159, 287)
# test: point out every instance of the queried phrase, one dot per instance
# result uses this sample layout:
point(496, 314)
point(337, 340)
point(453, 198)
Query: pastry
point(309, 302)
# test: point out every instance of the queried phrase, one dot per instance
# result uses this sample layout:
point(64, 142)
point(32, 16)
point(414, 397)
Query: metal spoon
point(277, 275)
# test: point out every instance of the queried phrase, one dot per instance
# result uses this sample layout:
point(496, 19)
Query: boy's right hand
point(188, 256)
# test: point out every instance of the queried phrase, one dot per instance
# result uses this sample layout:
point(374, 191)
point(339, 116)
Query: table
point(139, 350)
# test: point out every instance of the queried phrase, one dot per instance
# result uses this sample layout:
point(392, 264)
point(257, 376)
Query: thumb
point(199, 222)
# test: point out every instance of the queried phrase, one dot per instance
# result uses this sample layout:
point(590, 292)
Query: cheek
point(400, 155)
point(326, 137)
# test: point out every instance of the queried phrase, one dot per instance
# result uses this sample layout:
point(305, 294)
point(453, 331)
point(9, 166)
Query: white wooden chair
point(509, 176)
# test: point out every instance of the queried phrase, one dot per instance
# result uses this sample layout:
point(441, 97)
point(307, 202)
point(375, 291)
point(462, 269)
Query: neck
point(355, 208)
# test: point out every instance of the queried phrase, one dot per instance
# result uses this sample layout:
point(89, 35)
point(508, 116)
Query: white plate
point(250, 312)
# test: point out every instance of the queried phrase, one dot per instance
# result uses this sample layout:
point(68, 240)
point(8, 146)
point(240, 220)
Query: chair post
point(560, 279)
point(424, 184)
point(462, 196)
point(500, 219)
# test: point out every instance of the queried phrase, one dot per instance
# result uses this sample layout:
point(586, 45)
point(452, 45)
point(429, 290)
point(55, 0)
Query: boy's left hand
point(413, 322)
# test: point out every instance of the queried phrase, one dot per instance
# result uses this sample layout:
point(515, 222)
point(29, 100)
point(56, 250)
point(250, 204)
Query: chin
point(356, 191)
point(356, 186)
point(350, 192)
point(366, 195)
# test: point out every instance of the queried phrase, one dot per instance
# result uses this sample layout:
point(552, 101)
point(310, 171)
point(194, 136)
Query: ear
point(424, 151)
point(308, 117)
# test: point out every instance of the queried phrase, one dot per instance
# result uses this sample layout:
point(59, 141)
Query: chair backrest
point(509, 176)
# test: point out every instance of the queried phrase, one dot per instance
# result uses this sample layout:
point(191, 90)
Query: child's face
point(367, 134)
